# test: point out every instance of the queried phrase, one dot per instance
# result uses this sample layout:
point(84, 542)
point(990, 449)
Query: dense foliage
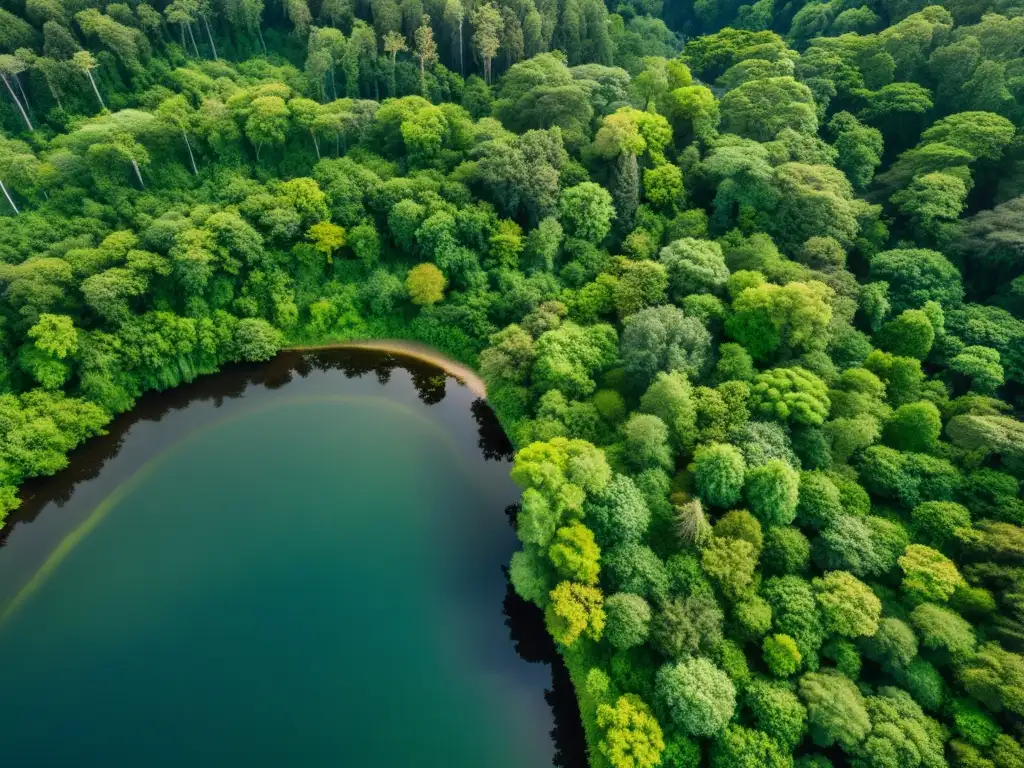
point(751, 307)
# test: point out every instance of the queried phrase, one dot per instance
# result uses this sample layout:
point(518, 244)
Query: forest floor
point(461, 372)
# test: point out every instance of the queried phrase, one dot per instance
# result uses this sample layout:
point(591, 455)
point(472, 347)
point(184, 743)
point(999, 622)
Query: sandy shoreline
point(459, 371)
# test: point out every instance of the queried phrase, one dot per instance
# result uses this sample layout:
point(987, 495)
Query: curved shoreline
point(459, 371)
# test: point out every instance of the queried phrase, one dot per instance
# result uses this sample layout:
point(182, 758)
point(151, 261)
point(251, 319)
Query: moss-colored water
point(305, 575)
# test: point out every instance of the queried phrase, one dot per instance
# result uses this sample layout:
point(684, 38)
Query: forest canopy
point(746, 284)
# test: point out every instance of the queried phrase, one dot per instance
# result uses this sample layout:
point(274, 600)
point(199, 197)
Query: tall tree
point(85, 62)
point(178, 113)
point(454, 17)
point(426, 49)
point(204, 10)
point(10, 67)
point(183, 13)
point(394, 44)
point(487, 38)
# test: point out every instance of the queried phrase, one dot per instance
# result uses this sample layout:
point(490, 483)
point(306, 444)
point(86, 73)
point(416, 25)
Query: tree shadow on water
point(525, 622)
point(494, 443)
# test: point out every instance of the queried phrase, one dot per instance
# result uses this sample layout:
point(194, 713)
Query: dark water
point(293, 564)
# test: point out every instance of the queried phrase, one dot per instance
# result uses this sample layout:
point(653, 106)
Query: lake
point(300, 563)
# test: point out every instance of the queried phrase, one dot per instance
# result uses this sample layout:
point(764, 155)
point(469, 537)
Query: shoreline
point(459, 371)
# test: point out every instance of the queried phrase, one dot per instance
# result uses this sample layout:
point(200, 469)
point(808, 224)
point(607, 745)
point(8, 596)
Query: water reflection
point(494, 443)
point(87, 461)
point(525, 623)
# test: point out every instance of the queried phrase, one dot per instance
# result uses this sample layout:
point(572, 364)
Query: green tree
point(618, 513)
point(848, 606)
point(859, 148)
point(718, 471)
point(425, 50)
point(685, 626)
point(772, 491)
point(893, 646)
point(575, 610)
point(694, 266)
point(768, 317)
point(698, 696)
point(936, 523)
point(586, 211)
point(899, 727)
point(916, 276)
point(631, 736)
point(940, 629)
point(660, 339)
point(731, 564)
point(981, 365)
point(628, 619)
point(267, 122)
point(425, 284)
point(914, 427)
point(327, 238)
point(567, 358)
point(928, 574)
point(487, 22)
point(777, 711)
point(909, 334)
point(836, 711)
point(759, 109)
point(795, 613)
point(786, 551)
point(995, 677)
point(670, 397)
point(790, 394)
point(574, 554)
point(739, 746)
point(256, 340)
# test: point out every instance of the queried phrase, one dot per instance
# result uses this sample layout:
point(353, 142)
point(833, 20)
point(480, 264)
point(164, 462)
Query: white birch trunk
point(138, 173)
point(190, 155)
point(192, 37)
point(9, 200)
point(96, 90)
point(209, 35)
point(17, 101)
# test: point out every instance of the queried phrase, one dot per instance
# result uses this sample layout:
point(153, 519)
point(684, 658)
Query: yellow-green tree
point(425, 284)
point(326, 238)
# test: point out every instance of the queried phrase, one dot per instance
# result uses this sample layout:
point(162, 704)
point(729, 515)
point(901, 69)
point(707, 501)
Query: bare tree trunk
point(190, 155)
point(193, 39)
point(21, 90)
point(53, 92)
point(210, 36)
point(9, 200)
point(462, 63)
point(315, 144)
point(24, 114)
point(263, 43)
point(96, 90)
point(334, 85)
point(258, 148)
point(184, 45)
point(138, 173)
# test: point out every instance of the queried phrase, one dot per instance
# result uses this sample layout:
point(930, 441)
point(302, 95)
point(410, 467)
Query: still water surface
point(296, 564)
